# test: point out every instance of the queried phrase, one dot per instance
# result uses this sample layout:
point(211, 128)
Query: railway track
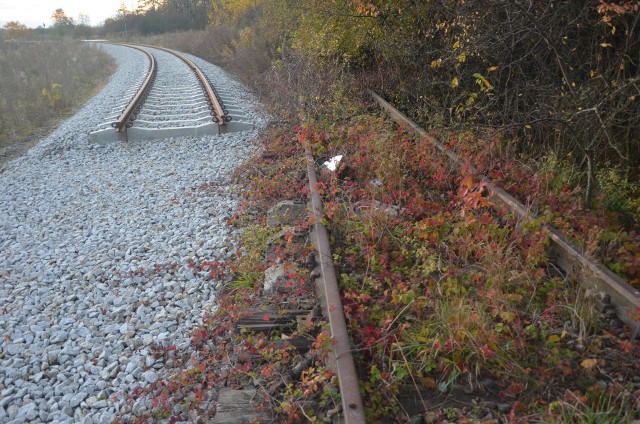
point(158, 108)
point(173, 98)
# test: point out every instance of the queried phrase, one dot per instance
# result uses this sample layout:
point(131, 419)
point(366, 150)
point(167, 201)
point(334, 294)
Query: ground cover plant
point(43, 81)
point(544, 90)
point(442, 288)
point(551, 187)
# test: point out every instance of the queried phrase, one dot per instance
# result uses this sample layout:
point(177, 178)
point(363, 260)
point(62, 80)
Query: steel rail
point(123, 121)
point(217, 107)
point(352, 406)
point(569, 257)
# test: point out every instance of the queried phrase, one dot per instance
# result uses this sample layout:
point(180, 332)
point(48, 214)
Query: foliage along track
point(569, 257)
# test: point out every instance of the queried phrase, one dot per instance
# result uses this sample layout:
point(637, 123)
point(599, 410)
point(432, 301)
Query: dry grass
point(41, 82)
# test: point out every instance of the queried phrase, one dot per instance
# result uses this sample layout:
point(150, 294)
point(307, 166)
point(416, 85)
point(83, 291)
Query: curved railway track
point(174, 98)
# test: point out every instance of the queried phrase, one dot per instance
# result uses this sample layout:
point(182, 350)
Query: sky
point(34, 13)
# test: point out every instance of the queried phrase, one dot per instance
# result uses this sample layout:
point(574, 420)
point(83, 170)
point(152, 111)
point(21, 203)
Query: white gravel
point(95, 243)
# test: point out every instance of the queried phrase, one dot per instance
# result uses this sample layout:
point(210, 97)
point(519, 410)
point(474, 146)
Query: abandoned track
point(174, 98)
point(615, 292)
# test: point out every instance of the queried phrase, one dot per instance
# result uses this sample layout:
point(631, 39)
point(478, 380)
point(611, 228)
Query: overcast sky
point(34, 13)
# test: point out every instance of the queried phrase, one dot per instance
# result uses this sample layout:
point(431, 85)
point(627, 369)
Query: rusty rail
point(329, 292)
point(569, 257)
point(220, 115)
point(124, 121)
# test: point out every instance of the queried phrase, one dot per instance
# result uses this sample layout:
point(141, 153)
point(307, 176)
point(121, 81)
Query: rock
point(36, 378)
point(6, 400)
point(487, 404)
point(27, 413)
point(416, 419)
point(430, 417)
point(149, 360)
point(272, 275)
point(59, 337)
point(150, 376)
point(110, 371)
point(99, 404)
point(15, 349)
point(285, 213)
point(12, 410)
point(504, 407)
point(77, 399)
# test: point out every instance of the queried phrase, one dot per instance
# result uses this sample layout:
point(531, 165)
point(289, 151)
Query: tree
point(61, 22)
point(83, 28)
point(123, 12)
point(60, 19)
point(16, 29)
point(84, 19)
point(150, 4)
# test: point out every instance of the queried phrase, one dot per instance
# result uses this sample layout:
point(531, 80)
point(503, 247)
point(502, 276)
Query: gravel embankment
point(95, 243)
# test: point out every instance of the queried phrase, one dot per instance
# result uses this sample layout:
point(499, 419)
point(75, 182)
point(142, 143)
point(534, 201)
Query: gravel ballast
point(95, 247)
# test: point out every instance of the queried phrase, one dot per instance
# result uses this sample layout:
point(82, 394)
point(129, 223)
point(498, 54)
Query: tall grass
point(43, 81)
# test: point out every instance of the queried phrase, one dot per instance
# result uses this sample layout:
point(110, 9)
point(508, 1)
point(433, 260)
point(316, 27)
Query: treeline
point(149, 17)
point(158, 16)
point(63, 27)
point(549, 76)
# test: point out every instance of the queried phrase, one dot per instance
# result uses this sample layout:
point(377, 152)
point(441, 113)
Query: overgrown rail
point(569, 257)
point(616, 293)
point(329, 293)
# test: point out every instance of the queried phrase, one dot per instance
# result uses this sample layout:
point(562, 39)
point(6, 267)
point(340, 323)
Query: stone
point(77, 399)
point(27, 413)
point(271, 276)
point(504, 407)
point(150, 376)
point(99, 404)
point(59, 337)
point(286, 212)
